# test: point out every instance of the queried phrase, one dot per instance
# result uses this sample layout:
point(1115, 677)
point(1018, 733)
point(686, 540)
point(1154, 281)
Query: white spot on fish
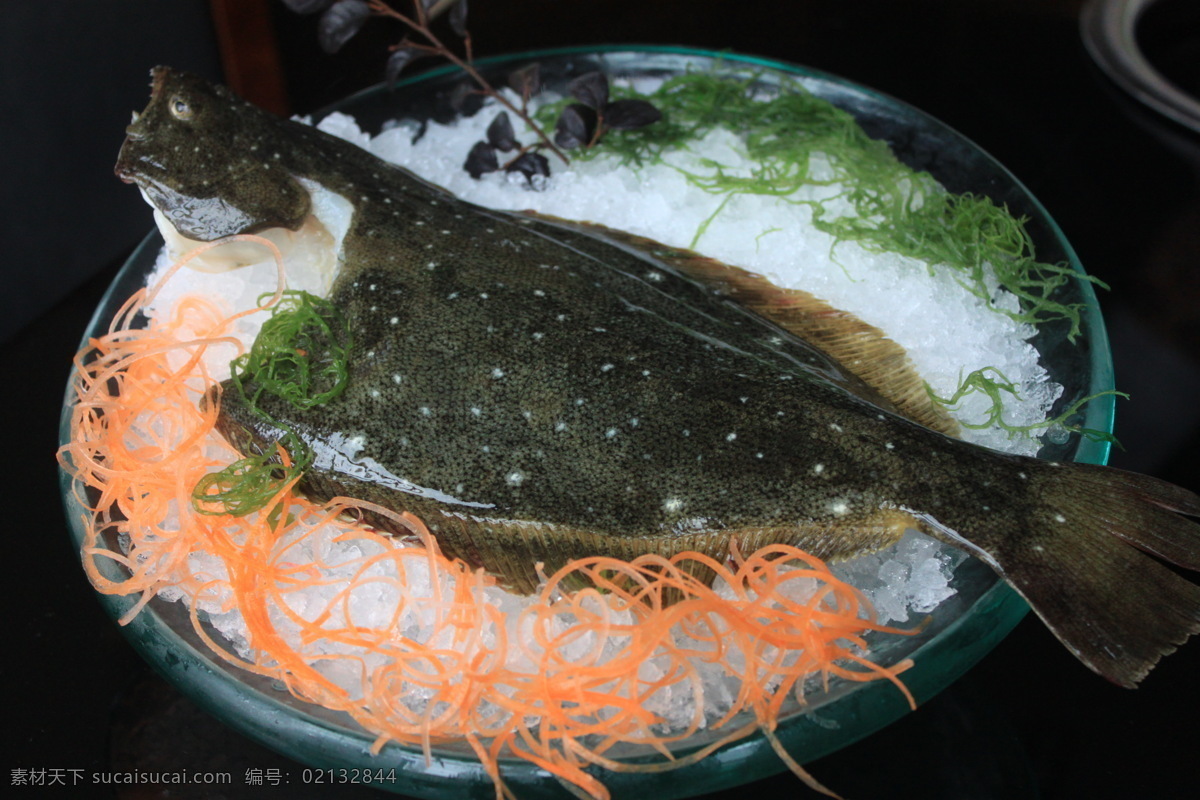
point(818, 469)
point(497, 373)
point(354, 445)
point(731, 437)
point(514, 478)
point(1022, 475)
point(397, 378)
point(889, 446)
point(839, 508)
point(633, 422)
point(559, 427)
point(484, 295)
point(611, 432)
point(426, 411)
point(672, 504)
point(538, 336)
point(395, 320)
point(538, 293)
point(477, 411)
point(833, 426)
point(1059, 518)
point(606, 367)
point(375, 393)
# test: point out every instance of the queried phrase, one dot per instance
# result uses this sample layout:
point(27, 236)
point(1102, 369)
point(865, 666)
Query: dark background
point(1010, 74)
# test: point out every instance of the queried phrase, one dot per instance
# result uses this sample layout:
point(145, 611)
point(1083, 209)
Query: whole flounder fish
point(537, 391)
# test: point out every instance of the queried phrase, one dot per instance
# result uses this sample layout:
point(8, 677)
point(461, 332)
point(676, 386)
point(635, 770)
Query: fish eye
point(180, 109)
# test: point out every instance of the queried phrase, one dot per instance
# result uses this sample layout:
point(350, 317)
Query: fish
point(539, 390)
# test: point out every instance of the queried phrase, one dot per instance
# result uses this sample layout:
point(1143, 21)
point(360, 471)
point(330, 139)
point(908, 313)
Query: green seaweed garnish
point(300, 355)
point(249, 484)
point(797, 139)
point(996, 387)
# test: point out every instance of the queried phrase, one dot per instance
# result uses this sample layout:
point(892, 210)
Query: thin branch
point(420, 25)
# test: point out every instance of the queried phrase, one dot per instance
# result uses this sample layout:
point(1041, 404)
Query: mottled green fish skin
point(536, 391)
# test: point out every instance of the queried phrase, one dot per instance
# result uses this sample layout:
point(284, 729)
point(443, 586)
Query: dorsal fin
point(861, 348)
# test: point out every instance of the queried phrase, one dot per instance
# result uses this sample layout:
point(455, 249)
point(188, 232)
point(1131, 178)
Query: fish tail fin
point(1083, 561)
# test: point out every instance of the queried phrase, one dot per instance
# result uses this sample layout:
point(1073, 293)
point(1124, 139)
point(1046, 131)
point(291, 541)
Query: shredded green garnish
point(300, 356)
point(996, 387)
point(249, 484)
point(797, 139)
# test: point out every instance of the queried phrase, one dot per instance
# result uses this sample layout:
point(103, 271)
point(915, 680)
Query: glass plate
point(960, 632)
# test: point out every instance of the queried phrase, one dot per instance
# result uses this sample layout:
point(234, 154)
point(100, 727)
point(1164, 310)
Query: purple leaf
point(590, 89)
point(531, 165)
point(306, 6)
point(481, 159)
point(400, 58)
point(575, 126)
point(626, 115)
point(340, 22)
point(465, 99)
point(500, 133)
point(527, 81)
point(458, 19)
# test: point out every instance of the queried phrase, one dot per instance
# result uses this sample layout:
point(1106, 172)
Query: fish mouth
point(123, 171)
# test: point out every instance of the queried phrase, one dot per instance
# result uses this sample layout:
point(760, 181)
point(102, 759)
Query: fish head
point(212, 164)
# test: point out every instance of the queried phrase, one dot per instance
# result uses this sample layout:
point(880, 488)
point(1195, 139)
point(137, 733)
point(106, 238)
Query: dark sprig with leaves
point(585, 123)
point(581, 124)
point(341, 20)
point(485, 155)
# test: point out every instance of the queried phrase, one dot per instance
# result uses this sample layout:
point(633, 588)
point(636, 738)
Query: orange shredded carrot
point(412, 644)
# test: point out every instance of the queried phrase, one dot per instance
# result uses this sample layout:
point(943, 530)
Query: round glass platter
point(960, 631)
